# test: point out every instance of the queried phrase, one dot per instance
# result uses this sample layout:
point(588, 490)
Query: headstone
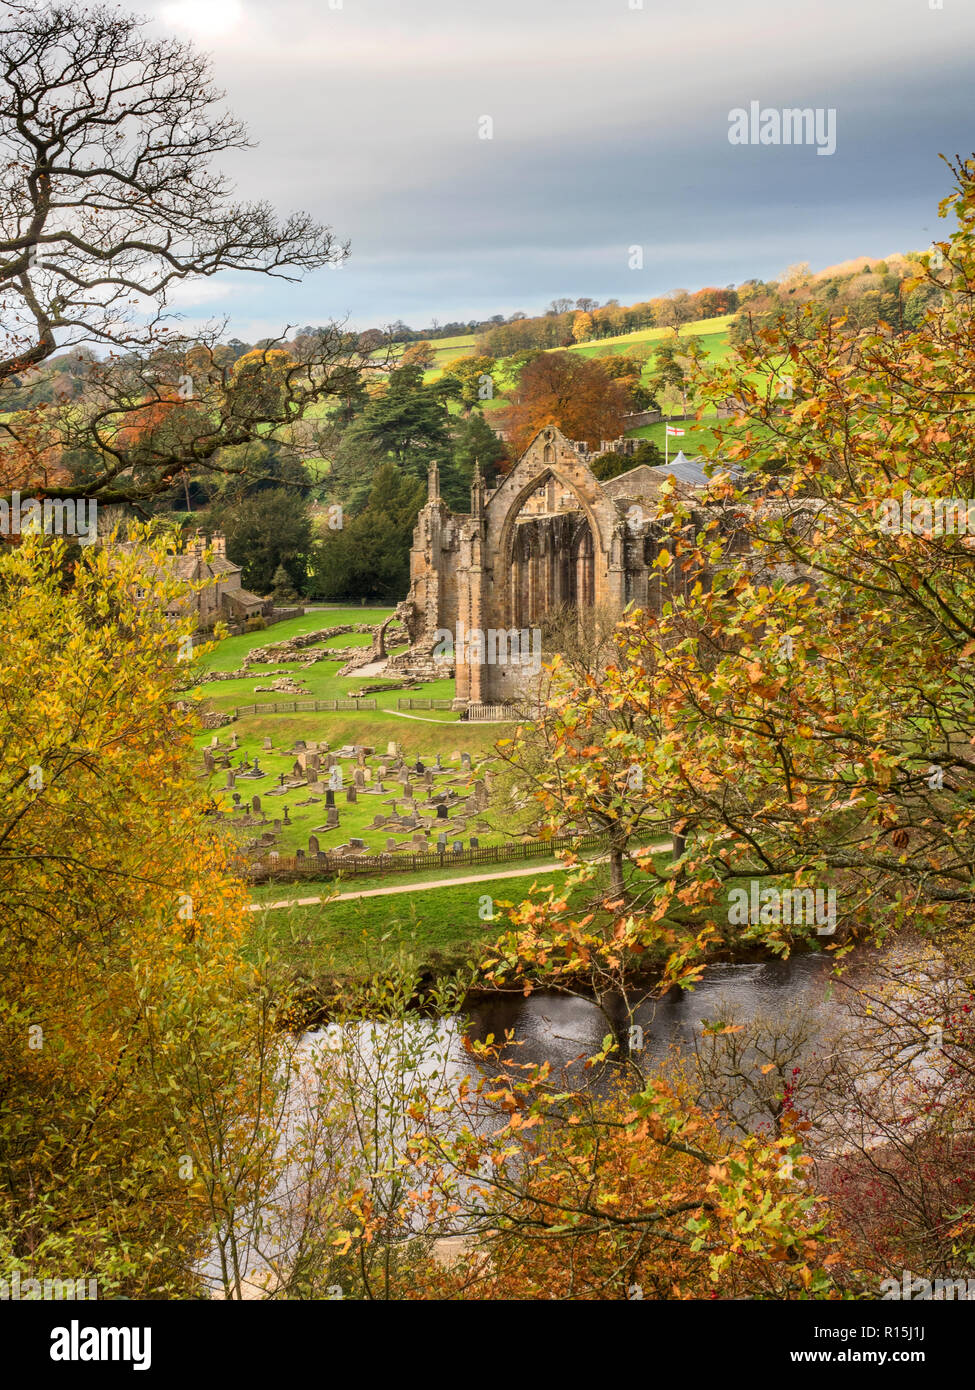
point(359, 777)
point(377, 821)
point(393, 812)
point(442, 812)
point(299, 854)
point(381, 771)
point(351, 794)
point(391, 748)
point(408, 791)
point(475, 842)
point(313, 844)
point(419, 840)
point(390, 843)
point(458, 847)
point(287, 816)
point(234, 741)
point(428, 778)
point(356, 844)
point(455, 756)
point(360, 758)
point(419, 767)
point(300, 745)
point(256, 804)
point(281, 779)
point(231, 779)
point(367, 774)
point(465, 760)
point(208, 762)
point(333, 817)
point(268, 745)
point(236, 798)
point(277, 826)
point(215, 741)
point(441, 842)
point(329, 797)
point(257, 766)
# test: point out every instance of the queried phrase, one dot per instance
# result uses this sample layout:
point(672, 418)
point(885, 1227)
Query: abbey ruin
point(550, 534)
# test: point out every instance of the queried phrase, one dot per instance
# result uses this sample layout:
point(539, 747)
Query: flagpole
point(666, 444)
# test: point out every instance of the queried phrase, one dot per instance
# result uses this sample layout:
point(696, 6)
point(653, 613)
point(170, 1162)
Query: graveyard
point(293, 785)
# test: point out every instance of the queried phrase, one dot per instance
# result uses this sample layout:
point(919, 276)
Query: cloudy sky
point(610, 130)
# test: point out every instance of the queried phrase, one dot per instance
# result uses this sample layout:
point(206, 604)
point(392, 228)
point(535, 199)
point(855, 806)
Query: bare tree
point(109, 200)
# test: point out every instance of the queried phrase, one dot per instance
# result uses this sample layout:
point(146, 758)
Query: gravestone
point(419, 767)
point(442, 812)
point(381, 771)
point(407, 791)
point(215, 741)
point(329, 797)
point(231, 779)
point(268, 745)
point(313, 844)
point(208, 762)
point(333, 817)
point(441, 843)
point(234, 741)
point(475, 842)
point(390, 843)
point(277, 826)
point(458, 847)
point(351, 794)
point(378, 821)
point(437, 764)
point(428, 778)
point(356, 844)
point(299, 854)
point(300, 745)
point(391, 748)
point(256, 804)
point(465, 760)
point(287, 816)
point(359, 778)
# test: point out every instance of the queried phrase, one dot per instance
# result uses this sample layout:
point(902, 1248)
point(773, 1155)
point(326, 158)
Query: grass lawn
point(416, 738)
point(441, 929)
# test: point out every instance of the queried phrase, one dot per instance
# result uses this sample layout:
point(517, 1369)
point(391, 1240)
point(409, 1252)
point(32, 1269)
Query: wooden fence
point(325, 865)
point(496, 713)
point(422, 702)
point(298, 706)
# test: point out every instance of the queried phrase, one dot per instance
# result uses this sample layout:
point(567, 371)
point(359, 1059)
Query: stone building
point(550, 534)
point(221, 596)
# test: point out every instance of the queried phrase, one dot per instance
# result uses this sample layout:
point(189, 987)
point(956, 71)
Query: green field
point(418, 737)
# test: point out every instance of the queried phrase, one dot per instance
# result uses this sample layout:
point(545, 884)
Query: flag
point(671, 429)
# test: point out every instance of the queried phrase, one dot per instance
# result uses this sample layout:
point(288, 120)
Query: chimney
point(219, 545)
